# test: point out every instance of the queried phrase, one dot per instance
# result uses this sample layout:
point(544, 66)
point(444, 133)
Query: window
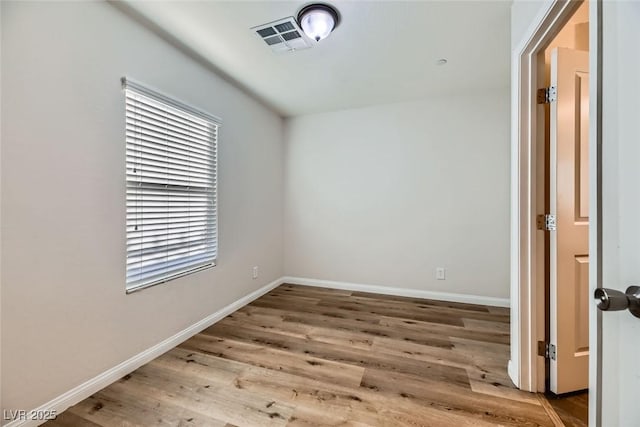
point(171, 163)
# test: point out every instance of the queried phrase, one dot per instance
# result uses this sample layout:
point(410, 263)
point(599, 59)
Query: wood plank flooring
point(572, 409)
point(304, 356)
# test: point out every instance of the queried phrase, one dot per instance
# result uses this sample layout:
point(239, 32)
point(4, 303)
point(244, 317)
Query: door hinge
point(547, 95)
point(548, 351)
point(546, 222)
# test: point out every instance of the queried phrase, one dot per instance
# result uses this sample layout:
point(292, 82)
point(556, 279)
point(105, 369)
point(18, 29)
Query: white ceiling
point(382, 51)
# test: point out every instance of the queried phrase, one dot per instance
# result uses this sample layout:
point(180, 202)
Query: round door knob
point(611, 299)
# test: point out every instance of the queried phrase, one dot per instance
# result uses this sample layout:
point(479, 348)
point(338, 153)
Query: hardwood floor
point(303, 356)
point(572, 409)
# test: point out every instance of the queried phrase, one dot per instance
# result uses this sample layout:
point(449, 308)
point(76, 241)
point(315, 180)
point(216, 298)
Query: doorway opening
point(531, 288)
point(562, 218)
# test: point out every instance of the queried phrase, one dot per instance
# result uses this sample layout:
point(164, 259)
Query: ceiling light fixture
point(318, 20)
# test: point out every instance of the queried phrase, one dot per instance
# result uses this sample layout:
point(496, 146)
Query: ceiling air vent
point(283, 35)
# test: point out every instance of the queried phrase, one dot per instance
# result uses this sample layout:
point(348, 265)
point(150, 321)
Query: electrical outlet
point(440, 273)
point(255, 272)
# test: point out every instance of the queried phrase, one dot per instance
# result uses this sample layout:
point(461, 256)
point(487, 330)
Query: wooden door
point(569, 202)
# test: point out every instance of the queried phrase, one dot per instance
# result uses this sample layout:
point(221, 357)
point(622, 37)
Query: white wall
point(384, 195)
point(65, 315)
point(523, 14)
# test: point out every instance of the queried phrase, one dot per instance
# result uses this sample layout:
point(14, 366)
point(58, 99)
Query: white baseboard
point(403, 292)
point(96, 384)
point(511, 371)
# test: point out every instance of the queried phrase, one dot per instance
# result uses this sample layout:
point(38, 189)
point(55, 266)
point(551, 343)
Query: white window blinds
point(171, 164)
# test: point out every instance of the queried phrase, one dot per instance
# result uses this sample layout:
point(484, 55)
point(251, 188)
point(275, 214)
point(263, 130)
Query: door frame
point(526, 368)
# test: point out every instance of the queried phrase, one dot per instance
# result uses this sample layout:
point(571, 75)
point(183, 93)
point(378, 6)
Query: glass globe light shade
point(317, 21)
